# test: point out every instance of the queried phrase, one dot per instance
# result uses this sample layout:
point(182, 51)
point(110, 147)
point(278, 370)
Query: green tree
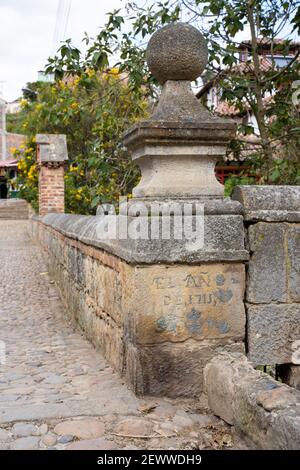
point(127, 33)
point(93, 110)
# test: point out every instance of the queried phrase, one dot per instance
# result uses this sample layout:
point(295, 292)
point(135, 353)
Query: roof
point(243, 68)
point(8, 163)
point(225, 109)
point(265, 43)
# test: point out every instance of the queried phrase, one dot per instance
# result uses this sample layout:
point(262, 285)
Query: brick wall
point(51, 189)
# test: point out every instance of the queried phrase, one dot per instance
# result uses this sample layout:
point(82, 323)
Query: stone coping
point(224, 241)
point(269, 203)
point(264, 411)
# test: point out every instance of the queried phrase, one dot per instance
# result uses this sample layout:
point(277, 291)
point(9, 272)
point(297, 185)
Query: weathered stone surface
point(174, 303)
point(273, 333)
point(182, 420)
point(55, 379)
point(172, 369)
point(163, 410)
point(40, 340)
point(223, 241)
point(25, 443)
point(43, 429)
point(277, 398)
point(49, 440)
point(269, 203)
point(24, 429)
point(177, 52)
point(52, 147)
point(5, 435)
point(178, 146)
point(204, 302)
point(293, 261)
point(290, 375)
point(93, 444)
point(134, 427)
point(65, 439)
point(267, 266)
point(265, 411)
point(82, 428)
point(273, 274)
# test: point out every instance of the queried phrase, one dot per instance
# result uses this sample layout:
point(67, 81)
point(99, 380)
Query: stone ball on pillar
point(177, 52)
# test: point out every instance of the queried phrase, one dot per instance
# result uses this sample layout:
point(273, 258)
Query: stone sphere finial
point(177, 52)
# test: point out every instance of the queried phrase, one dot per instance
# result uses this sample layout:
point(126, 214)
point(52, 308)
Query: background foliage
point(95, 106)
point(93, 110)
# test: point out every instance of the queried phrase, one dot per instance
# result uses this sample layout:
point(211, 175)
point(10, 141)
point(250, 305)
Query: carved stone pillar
point(187, 301)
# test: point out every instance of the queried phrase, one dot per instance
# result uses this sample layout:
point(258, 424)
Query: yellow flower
point(114, 71)
point(21, 164)
point(32, 172)
point(13, 149)
point(74, 105)
point(23, 103)
point(91, 73)
point(39, 106)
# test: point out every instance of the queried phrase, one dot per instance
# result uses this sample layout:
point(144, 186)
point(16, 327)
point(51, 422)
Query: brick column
point(51, 156)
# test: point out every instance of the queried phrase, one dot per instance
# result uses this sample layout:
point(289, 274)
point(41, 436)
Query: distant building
point(211, 94)
point(211, 91)
point(46, 77)
point(14, 106)
point(8, 162)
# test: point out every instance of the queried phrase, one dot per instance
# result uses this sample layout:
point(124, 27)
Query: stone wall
point(157, 324)
point(264, 412)
point(272, 221)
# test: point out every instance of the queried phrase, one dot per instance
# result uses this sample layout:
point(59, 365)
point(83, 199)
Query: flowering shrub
point(93, 110)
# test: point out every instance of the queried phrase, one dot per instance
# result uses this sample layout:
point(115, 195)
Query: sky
point(30, 33)
point(27, 33)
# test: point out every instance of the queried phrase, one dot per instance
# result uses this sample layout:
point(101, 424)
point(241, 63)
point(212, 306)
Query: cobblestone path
point(57, 391)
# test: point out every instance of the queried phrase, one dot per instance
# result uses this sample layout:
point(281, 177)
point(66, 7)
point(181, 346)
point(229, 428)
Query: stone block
point(267, 265)
point(273, 333)
point(290, 375)
point(273, 273)
point(172, 369)
point(175, 303)
point(157, 324)
point(269, 203)
point(264, 411)
point(293, 261)
point(52, 147)
point(224, 240)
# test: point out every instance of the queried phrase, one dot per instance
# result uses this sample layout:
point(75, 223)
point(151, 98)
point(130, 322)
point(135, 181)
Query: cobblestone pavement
point(57, 391)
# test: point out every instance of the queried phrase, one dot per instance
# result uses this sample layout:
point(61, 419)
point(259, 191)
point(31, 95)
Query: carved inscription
point(195, 303)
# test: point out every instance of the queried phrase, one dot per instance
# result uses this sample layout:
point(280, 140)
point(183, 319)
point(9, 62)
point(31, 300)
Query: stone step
point(14, 209)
